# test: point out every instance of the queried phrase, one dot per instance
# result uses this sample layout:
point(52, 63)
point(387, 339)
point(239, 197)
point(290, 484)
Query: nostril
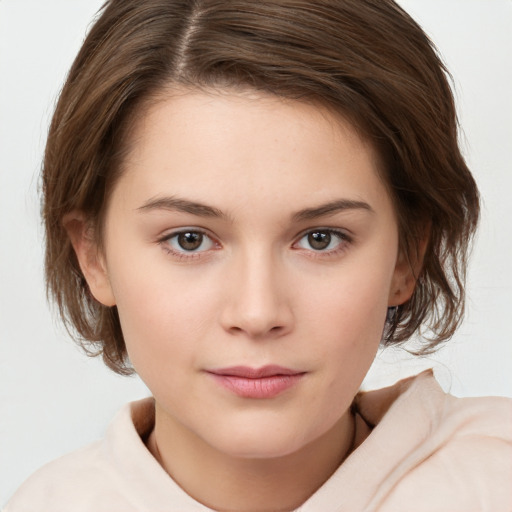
point(258, 331)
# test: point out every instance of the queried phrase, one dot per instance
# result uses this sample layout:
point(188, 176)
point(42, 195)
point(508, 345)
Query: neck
point(227, 483)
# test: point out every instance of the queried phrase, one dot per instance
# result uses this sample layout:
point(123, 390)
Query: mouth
point(257, 383)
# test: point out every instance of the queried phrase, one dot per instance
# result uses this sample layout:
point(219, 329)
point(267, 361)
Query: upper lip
point(254, 373)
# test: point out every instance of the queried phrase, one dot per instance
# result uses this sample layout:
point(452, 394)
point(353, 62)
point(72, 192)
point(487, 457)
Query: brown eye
point(326, 241)
point(319, 240)
point(190, 244)
point(190, 241)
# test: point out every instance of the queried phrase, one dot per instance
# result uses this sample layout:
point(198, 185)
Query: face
point(252, 251)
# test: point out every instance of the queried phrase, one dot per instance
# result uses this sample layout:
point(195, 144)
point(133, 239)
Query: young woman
point(242, 201)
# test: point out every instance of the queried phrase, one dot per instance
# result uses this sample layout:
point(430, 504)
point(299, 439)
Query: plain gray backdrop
point(53, 399)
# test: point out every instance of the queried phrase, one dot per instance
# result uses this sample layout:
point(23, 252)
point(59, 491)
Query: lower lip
point(263, 387)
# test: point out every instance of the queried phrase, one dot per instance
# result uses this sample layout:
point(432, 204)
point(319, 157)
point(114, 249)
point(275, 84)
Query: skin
point(255, 292)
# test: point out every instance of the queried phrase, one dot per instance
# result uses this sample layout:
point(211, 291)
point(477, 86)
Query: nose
point(258, 298)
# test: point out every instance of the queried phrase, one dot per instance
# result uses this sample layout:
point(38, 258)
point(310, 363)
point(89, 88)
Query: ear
point(407, 270)
point(90, 259)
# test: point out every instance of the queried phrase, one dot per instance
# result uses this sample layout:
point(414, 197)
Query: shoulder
point(86, 479)
point(117, 474)
point(64, 483)
point(463, 459)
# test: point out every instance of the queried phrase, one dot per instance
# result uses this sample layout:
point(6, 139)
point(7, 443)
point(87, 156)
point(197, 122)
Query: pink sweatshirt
point(419, 450)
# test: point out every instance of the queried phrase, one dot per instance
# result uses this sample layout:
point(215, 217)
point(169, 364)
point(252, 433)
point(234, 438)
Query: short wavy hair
point(365, 59)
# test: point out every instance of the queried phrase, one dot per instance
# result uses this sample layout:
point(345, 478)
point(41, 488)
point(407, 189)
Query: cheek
point(353, 303)
point(345, 320)
point(165, 312)
point(347, 317)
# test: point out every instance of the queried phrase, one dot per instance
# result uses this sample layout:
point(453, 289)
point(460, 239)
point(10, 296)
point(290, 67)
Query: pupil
point(319, 240)
point(190, 241)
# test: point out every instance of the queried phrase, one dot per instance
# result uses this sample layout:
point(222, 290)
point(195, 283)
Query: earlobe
point(402, 286)
point(90, 259)
point(407, 271)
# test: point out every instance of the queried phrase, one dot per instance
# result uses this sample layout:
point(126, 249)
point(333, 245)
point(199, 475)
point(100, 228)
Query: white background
point(52, 398)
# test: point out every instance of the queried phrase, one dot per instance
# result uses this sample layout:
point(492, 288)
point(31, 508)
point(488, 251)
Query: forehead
point(240, 149)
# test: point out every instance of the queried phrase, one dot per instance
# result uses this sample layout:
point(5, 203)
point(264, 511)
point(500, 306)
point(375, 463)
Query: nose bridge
point(258, 302)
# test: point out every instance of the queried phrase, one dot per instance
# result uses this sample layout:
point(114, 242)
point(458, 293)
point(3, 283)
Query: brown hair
point(366, 59)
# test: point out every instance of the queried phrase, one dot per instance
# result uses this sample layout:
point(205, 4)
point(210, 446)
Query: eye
point(189, 241)
point(322, 240)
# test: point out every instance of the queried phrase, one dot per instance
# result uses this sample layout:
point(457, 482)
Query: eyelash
point(344, 241)
point(164, 242)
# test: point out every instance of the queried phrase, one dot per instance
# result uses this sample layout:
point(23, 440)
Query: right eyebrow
point(173, 203)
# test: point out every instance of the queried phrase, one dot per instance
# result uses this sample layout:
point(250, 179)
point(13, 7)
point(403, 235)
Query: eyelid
point(344, 236)
point(341, 232)
point(345, 239)
point(169, 233)
point(188, 255)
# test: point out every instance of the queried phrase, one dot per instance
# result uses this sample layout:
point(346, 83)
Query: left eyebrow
point(331, 208)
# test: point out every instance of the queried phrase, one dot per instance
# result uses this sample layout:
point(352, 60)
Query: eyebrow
point(331, 208)
point(181, 205)
point(173, 203)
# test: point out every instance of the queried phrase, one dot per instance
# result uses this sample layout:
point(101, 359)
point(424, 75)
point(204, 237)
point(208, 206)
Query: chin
point(260, 440)
point(261, 448)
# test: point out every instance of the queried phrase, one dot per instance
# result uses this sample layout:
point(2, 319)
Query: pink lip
point(266, 382)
